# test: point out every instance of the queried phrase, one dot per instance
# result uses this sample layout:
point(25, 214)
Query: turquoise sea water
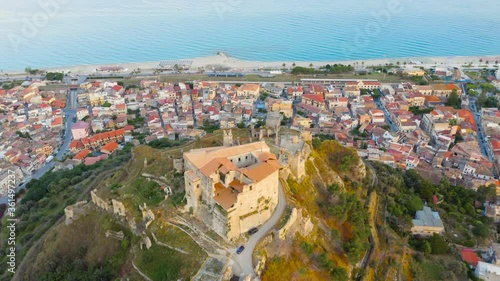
point(74, 32)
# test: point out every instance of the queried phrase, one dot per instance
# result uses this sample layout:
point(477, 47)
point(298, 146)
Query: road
point(244, 260)
point(483, 143)
point(387, 116)
point(70, 113)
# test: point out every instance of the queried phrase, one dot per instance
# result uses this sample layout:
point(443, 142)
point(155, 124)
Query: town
point(445, 129)
point(439, 129)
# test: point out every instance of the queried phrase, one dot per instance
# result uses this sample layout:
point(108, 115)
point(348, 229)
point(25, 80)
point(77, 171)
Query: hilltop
point(361, 215)
point(346, 219)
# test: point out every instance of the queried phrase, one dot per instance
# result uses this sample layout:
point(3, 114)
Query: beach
point(206, 63)
point(215, 62)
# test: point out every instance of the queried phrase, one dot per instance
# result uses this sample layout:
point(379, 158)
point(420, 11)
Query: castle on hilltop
point(232, 188)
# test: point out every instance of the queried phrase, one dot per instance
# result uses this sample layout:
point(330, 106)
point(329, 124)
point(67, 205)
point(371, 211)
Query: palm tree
point(293, 64)
point(496, 62)
point(487, 62)
point(284, 64)
point(311, 65)
point(398, 63)
point(480, 60)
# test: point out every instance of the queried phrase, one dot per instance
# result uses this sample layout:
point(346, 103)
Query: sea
point(54, 33)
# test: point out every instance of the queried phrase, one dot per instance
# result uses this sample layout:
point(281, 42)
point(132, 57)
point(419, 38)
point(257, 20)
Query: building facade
point(232, 189)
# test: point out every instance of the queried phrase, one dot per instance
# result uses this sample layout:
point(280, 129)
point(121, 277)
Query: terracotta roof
point(238, 185)
point(222, 164)
point(200, 157)
point(109, 147)
point(227, 198)
point(259, 171)
point(315, 97)
point(469, 256)
point(82, 154)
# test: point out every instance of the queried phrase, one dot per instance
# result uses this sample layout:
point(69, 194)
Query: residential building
point(427, 223)
point(80, 130)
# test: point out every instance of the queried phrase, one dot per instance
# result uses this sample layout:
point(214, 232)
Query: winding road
point(243, 261)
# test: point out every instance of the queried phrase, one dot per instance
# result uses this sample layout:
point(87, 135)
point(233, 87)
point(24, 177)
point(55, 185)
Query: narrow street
point(245, 260)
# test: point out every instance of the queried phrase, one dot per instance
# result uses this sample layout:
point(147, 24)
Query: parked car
point(253, 231)
point(240, 249)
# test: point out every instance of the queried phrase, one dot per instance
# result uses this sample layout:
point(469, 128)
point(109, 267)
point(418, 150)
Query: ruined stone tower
point(227, 137)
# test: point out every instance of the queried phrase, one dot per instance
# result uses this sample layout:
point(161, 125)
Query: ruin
point(72, 212)
point(294, 152)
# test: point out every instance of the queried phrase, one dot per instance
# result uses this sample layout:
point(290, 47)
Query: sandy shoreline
point(246, 65)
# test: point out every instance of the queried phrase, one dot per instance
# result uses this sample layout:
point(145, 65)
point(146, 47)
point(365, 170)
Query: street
point(483, 143)
point(70, 114)
point(244, 260)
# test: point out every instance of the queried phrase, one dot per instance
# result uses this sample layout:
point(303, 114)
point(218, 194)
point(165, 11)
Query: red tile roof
point(469, 256)
point(82, 154)
point(117, 88)
point(109, 147)
point(315, 97)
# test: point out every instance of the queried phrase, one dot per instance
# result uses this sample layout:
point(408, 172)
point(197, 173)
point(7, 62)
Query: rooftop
point(427, 217)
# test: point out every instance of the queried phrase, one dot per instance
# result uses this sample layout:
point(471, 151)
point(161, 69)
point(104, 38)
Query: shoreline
point(221, 59)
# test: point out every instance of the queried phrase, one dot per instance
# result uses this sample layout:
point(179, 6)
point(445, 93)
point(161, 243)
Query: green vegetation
point(457, 207)
point(32, 71)
point(149, 190)
point(419, 80)
point(82, 252)
point(420, 111)
point(43, 203)
point(166, 143)
point(155, 264)
point(486, 101)
point(351, 213)
point(209, 127)
point(263, 96)
point(23, 135)
point(488, 87)
point(327, 69)
point(454, 100)
point(54, 76)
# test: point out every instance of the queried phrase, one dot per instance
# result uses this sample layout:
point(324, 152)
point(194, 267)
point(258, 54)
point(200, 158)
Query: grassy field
point(176, 238)
point(164, 264)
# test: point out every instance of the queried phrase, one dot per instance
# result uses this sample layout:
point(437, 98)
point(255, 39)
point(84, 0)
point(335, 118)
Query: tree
point(310, 65)
point(54, 76)
point(486, 193)
point(284, 64)
point(481, 100)
point(454, 100)
point(481, 230)
point(438, 244)
point(293, 64)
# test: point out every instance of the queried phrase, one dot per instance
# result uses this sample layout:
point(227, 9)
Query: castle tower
point(227, 137)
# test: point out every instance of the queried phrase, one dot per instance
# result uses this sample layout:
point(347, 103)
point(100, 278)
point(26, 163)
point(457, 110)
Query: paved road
point(70, 113)
point(244, 260)
point(387, 116)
